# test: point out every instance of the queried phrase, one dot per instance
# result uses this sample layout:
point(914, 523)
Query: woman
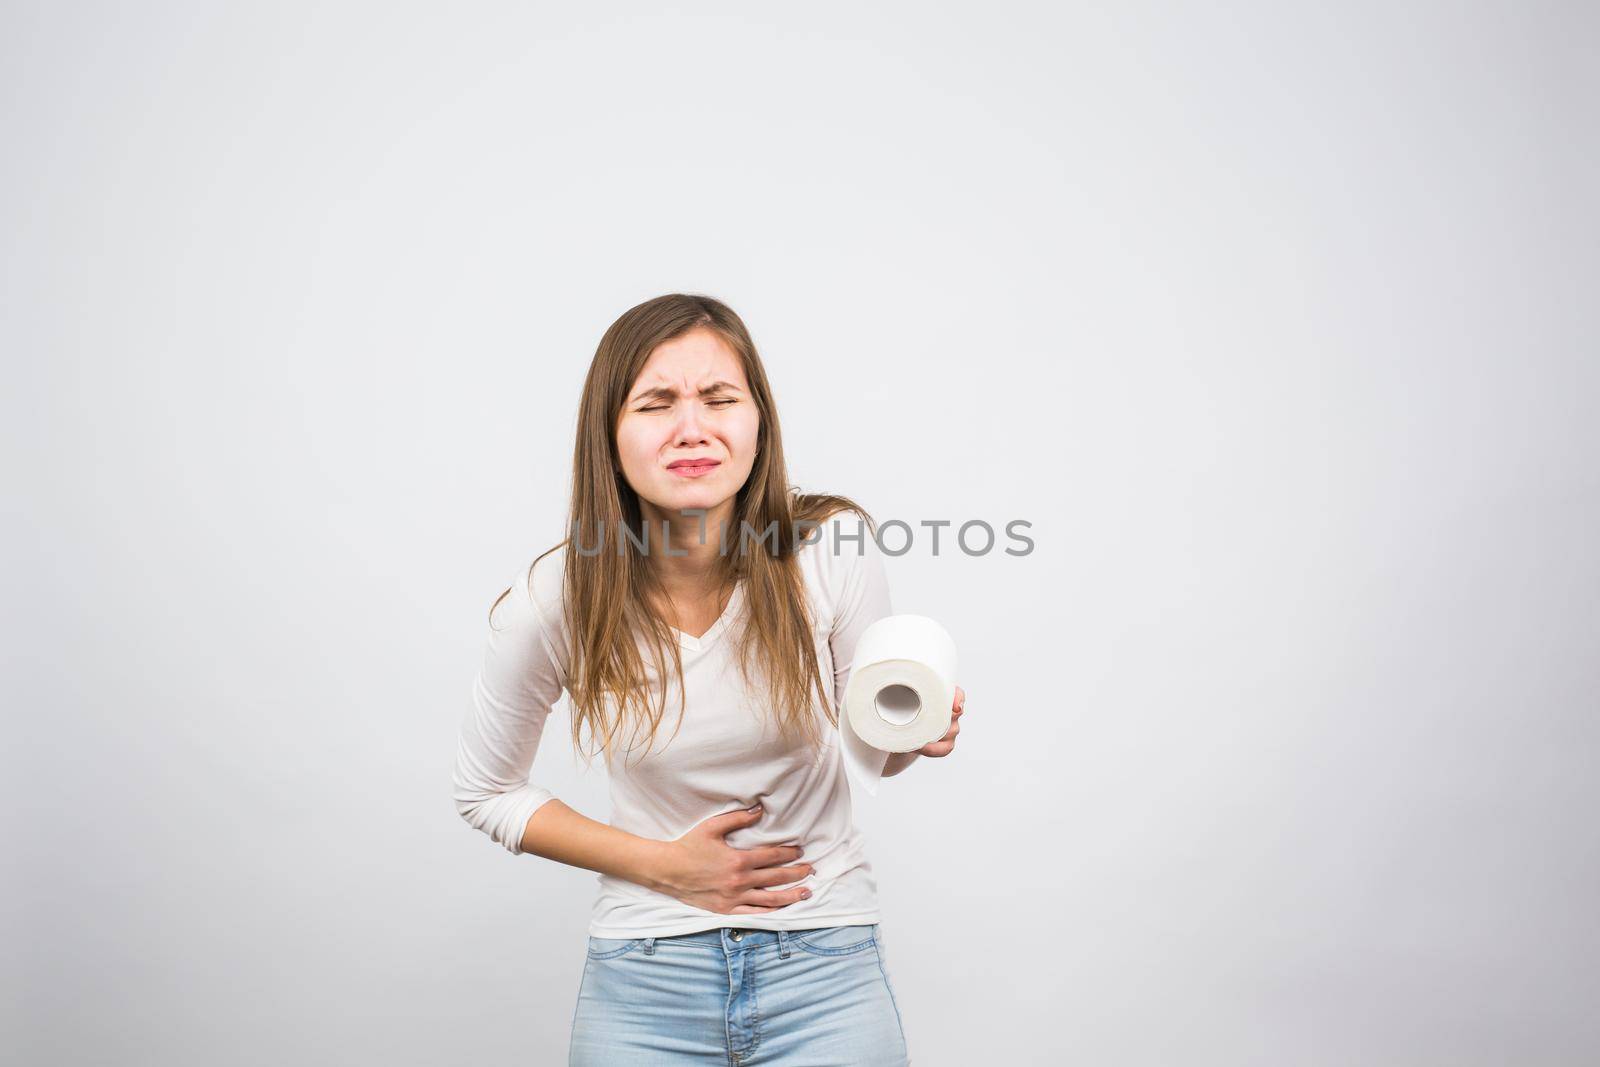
point(737, 920)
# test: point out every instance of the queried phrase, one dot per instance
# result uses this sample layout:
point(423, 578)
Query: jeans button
point(737, 935)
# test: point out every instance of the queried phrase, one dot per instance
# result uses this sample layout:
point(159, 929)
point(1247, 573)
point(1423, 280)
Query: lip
point(693, 468)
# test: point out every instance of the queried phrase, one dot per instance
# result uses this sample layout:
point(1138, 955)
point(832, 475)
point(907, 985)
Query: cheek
point(747, 435)
point(635, 444)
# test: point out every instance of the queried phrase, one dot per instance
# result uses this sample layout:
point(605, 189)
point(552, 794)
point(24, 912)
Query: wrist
point(652, 864)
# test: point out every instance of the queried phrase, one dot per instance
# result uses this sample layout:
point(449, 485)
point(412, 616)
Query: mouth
point(693, 468)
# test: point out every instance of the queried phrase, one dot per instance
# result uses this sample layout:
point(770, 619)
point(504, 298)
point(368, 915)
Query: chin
point(700, 499)
point(691, 496)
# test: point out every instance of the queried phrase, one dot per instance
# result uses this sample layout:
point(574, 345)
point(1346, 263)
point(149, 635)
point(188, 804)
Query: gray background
point(1277, 323)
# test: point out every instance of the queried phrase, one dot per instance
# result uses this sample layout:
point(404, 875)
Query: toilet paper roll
point(902, 683)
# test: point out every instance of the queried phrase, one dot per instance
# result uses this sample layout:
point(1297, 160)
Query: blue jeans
point(739, 998)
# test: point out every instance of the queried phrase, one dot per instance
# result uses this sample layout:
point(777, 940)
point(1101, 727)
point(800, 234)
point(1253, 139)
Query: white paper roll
point(902, 683)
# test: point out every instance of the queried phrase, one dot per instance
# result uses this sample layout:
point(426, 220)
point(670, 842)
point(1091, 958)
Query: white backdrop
point(1278, 326)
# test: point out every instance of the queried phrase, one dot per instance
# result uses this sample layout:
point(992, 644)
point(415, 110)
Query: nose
point(689, 431)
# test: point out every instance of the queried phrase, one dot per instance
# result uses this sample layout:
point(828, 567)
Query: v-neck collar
point(699, 644)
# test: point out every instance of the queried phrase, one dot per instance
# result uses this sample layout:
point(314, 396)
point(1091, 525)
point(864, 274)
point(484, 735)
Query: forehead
point(697, 357)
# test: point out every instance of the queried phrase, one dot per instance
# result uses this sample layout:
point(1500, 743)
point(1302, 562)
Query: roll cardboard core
point(898, 704)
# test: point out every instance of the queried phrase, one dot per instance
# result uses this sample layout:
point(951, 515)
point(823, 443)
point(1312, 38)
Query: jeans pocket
point(609, 948)
point(833, 940)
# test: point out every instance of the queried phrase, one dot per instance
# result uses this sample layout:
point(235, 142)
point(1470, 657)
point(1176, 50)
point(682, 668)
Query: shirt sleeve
point(519, 682)
point(861, 599)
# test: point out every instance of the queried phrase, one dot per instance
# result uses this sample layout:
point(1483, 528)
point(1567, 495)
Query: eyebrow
point(664, 393)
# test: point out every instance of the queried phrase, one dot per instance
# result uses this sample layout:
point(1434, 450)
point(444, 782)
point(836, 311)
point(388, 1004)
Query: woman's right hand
point(703, 870)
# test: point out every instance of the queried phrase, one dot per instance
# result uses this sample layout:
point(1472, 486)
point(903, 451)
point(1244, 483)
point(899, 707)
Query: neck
point(685, 548)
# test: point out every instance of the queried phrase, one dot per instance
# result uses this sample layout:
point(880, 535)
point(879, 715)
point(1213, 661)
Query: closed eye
point(719, 403)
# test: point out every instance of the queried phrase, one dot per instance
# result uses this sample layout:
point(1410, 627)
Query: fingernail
point(805, 894)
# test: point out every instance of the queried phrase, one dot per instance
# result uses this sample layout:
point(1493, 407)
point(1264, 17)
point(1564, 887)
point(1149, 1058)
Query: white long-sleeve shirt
point(726, 755)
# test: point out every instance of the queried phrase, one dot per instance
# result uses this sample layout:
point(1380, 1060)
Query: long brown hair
point(607, 595)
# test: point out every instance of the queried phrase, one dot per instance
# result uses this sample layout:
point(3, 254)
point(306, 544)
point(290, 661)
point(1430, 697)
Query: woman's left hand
point(946, 744)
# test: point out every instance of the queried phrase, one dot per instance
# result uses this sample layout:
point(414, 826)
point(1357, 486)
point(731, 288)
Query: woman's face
point(690, 406)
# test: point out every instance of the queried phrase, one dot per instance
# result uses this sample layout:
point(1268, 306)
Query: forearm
point(897, 762)
point(557, 832)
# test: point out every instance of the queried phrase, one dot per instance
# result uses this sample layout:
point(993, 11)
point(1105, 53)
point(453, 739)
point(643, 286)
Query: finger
point(729, 821)
point(770, 856)
point(773, 898)
point(770, 876)
point(932, 747)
